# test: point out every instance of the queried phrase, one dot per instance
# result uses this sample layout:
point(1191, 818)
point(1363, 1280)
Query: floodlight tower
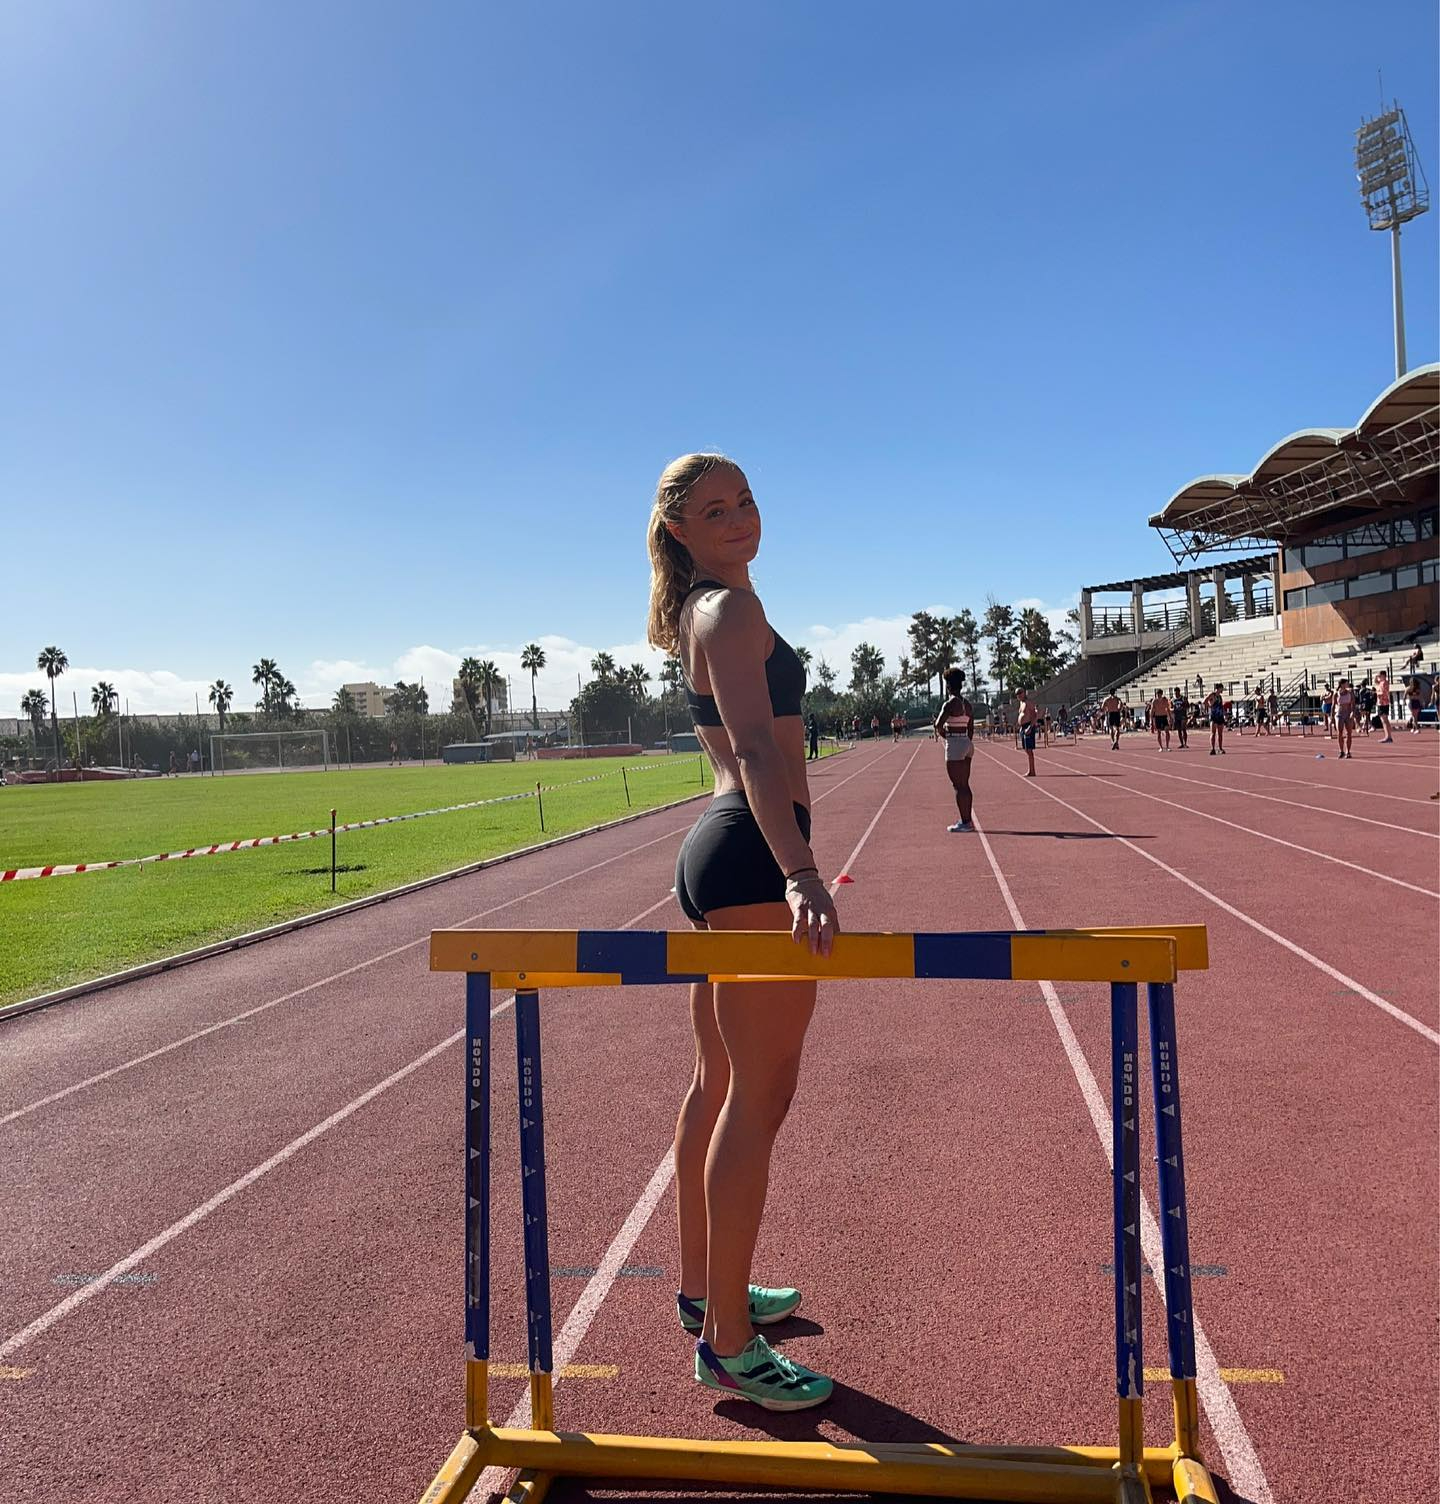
point(1393, 189)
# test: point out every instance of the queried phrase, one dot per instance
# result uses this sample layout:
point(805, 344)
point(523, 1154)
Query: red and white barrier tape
point(20, 874)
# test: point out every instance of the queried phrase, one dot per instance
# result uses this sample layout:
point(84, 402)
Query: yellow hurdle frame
point(527, 960)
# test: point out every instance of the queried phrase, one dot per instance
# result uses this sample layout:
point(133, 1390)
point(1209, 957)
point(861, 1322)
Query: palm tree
point(265, 673)
point(998, 629)
point(637, 676)
point(672, 674)
point(52, 663)
point(284, 693)
point(470, 687)
point(34, 704)
point(343, 703)
point(103, 700)
point(532, 659)
point(220, 697)
point(867, 663)
point(967, 638)
point(602, 665)
point(805, 656)
point(489, 677)
point(923, 644)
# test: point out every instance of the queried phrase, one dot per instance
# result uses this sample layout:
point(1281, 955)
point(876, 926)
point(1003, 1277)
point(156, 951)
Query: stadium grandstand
point(1327, 568)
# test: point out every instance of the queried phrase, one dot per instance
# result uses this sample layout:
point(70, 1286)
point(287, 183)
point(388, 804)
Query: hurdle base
point(1027, 1475)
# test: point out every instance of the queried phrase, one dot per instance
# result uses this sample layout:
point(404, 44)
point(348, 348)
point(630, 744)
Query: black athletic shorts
point(1112, 717)
point(1162, 723)
point(726, 861)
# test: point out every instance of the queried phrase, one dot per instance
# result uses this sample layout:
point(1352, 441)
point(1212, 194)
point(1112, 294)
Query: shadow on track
point(861, 1415)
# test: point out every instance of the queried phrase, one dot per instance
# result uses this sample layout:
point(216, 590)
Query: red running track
point(289, 1241)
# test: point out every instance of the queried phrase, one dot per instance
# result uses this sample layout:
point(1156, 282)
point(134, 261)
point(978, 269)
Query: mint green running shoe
point(763, 1375)
point(766, 1307)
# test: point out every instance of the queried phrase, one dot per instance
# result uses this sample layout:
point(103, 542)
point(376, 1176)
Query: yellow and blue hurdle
point(527, 960)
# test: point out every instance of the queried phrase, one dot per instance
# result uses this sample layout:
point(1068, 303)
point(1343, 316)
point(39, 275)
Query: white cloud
point(161, 692)
point(148, 691)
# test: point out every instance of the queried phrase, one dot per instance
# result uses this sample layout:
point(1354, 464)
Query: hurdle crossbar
point(526, 960)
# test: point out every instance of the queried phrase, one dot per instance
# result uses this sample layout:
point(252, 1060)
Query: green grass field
point(59, 930)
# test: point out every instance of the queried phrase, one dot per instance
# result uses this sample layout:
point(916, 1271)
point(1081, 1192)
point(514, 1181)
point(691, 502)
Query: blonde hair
point(672, 570)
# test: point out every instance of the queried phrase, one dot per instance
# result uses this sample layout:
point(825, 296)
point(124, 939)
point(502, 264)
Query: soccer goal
point(255, 751)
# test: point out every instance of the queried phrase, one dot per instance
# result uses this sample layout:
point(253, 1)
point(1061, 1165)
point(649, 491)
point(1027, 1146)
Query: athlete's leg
point(959, 771)
point(762, 1027)
point(693, 1132)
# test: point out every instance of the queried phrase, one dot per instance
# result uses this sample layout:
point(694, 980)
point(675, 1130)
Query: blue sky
point(355, 335)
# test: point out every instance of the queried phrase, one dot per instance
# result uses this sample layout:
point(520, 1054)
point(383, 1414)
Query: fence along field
point(60, 930)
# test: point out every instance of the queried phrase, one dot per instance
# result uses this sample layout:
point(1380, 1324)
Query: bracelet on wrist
point(802, 872)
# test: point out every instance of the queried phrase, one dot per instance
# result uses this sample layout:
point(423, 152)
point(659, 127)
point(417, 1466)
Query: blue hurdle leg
point(1174, 1220)
point(532, 1189)
point(477, 1197)
point(1125, 1107)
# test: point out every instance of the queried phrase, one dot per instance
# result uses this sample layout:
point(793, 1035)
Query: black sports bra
point(784, 676)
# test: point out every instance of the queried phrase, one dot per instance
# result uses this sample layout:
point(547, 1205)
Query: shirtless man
point(1028, 713)
point(1160, 719)
point(1110, 709)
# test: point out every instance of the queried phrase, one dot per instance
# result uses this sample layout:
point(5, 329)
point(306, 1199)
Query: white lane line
point(164, 1049)
point(1243, 1471)
point(591, 1298)
point(42, 1324)
point(1227, 788)
point(1244, 918)
point(1248, 830)
point(86, 1292)
point(1311, 783)
point(871, 826)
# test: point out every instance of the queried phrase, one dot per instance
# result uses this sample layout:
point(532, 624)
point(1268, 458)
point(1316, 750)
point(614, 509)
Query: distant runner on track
point(1346, 709)
point(1160, 720)
point(1028, 725)
point(955, 725)
point(1214, 707)
point(1110, 709)
point(746, 865)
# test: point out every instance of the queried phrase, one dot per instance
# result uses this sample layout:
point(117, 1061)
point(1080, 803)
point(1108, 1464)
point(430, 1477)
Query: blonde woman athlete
point(746, 865)
point(956, 725)
point(1346, 709)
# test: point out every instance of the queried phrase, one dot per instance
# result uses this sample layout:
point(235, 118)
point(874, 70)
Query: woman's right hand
point(812, 913)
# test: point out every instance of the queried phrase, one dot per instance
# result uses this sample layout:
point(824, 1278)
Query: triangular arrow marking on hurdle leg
point(1174, 1211)
point(1168, 1109)
point(1130, 1176)
point(1173, 1161)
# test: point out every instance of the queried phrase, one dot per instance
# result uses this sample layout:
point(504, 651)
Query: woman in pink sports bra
point(956, 724)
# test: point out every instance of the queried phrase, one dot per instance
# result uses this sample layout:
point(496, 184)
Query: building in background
point(369, 697)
